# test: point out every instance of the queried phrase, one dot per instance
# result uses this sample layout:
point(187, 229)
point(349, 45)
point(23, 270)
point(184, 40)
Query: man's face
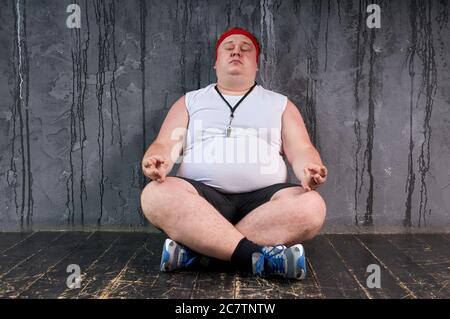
point(236, 56)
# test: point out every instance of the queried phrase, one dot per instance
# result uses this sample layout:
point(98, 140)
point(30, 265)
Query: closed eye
point(244, 48)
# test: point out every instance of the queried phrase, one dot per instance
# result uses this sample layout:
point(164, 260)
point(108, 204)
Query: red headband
point(239, 31)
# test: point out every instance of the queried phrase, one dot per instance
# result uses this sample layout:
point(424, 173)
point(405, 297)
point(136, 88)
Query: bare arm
point(160, 157)
point(300, 152)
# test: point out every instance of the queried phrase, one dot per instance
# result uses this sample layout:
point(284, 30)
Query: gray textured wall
point(79, 106)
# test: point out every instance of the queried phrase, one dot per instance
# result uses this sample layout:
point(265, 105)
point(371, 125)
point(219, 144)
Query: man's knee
point(150, 197)
point(311, 211)
point(318, 210)
point(156, 196)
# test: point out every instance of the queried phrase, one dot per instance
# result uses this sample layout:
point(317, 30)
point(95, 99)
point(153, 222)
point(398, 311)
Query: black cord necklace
point(232, 109)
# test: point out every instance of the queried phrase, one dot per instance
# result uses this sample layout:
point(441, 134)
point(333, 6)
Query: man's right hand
point(155, 167)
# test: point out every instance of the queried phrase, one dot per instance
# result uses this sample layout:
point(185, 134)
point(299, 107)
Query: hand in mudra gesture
point(313, 176)
point(155, 167)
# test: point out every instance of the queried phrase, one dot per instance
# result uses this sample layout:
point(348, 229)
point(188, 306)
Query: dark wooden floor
point(126, 265)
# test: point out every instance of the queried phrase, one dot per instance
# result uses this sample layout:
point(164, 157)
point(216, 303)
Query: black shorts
point(234, 207)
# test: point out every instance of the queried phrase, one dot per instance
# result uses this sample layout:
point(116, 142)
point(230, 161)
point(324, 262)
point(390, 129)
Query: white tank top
point(250, 158)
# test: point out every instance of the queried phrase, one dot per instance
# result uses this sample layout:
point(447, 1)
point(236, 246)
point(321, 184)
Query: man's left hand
point(314, 175)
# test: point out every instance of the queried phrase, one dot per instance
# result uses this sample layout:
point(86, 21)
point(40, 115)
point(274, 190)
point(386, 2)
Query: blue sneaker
point(175, 256)
point(280, 261)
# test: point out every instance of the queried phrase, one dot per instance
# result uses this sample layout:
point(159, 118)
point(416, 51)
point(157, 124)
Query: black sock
point(242, 255)
point(215, 264)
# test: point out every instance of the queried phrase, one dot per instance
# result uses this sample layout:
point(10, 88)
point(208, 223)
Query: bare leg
point(176, 207)
point(290, 217)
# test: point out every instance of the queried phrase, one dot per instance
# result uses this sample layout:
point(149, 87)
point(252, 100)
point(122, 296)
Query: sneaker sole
point(299, 252)
point(167, 255)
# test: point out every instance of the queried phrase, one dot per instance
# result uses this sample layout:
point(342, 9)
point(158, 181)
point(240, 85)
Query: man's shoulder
point(201, 93)
point(271, 93)
point(202, 90)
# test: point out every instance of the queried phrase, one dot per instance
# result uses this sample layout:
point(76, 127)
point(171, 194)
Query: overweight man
point(230, 200)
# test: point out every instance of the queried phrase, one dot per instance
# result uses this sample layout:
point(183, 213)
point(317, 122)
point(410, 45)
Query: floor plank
point(173, 285)
point(249, 286)
point(334, 278)
point(422, 284)
point(437, 244)
point(143, 279)
point(217, 285)
point(431, 253)
point(34, 268)
point(126, 265)
point(9, 240)
point(106, 267)
point(53, 284)
point(138, 280)
point(357, 258)
point(32, 245)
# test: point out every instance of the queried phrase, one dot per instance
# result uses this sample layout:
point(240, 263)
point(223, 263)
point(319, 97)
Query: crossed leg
point(291, 216)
